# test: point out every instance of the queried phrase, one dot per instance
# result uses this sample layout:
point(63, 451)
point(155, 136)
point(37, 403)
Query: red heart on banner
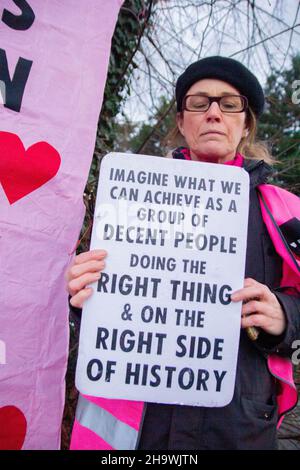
point(23, 171)
point(13, 427)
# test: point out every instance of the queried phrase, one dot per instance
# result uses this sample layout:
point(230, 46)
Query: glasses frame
point(217, 99)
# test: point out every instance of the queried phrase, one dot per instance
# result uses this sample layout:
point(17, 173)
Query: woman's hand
point(85, 269)
point(260, 307)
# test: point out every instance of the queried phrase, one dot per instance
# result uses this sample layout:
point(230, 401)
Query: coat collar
point(259, 171)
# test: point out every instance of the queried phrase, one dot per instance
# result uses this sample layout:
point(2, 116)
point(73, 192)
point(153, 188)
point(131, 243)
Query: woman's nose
point(214, 111)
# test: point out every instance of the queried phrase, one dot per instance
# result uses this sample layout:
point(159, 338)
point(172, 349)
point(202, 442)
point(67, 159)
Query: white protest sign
point(160, 325)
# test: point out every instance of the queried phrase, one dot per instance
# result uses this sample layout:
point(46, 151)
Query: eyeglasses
point(227, 103)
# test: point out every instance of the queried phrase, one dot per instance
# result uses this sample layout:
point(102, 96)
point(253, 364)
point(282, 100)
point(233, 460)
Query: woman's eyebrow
point(223, 93)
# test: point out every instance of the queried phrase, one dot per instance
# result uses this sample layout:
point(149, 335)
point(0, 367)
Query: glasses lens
point(197, 103)
point(231, 104)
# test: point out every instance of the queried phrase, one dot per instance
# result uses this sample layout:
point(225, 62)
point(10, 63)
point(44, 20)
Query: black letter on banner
point(19, 22)
point(14, 89)
point(90, 365)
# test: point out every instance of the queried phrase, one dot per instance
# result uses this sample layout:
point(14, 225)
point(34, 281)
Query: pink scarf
point(183, 153)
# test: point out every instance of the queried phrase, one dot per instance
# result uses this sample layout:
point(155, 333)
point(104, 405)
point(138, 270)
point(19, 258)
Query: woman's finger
point(263, 308)
point(253, 306)
point(79, 283)
point(78, 299)
point(259, 291)
point(256, 319)
point(82, 258)
point(264, 315)
point(89, 255)
point(77, 270)
point(269, 325)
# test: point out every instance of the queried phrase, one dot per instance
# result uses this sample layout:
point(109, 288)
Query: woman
point(218, 103)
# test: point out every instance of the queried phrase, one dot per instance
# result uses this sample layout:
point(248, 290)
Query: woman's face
point(212, 136)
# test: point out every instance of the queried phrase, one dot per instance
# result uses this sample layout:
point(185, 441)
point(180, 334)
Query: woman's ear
point(246, 126)
point(245, 132)
point(179, 122)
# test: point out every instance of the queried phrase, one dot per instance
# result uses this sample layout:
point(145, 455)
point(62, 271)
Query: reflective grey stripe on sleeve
point(117, 434)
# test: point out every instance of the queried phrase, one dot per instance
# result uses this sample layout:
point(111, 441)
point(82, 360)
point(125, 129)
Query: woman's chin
point(209, 153)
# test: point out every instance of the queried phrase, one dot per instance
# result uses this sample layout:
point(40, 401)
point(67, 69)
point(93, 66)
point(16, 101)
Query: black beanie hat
point(228, 70)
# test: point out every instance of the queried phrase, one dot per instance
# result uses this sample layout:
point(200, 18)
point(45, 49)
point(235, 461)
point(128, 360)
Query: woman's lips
point(213, 132)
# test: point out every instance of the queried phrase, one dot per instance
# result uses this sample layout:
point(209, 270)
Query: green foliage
point(280, 124)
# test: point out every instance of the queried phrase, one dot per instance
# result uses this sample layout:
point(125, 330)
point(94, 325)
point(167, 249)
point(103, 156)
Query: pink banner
point(53, 64)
